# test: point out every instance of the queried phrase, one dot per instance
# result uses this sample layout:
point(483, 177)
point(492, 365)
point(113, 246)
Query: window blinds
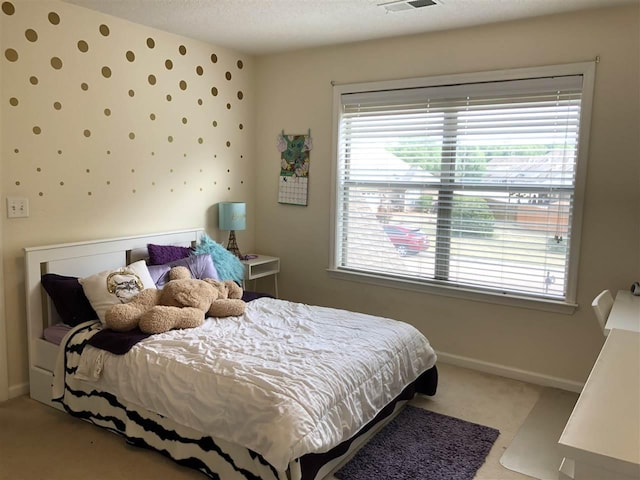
point(467, 185)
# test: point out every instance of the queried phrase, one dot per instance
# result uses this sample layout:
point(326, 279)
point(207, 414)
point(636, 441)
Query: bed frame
point(75, 259)
point(226, 462)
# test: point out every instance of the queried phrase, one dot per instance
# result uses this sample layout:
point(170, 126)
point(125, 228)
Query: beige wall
point(295, 94)
point(4, 372)
point(91, 139)
point(146, 183)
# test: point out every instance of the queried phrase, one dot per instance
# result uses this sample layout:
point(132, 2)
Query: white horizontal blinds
point(486, 171)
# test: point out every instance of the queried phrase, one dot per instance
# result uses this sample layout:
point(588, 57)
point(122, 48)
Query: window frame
point(567, 306)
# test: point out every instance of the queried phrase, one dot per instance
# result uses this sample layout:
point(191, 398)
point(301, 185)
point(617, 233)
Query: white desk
point(602, 437)
point(625, 314)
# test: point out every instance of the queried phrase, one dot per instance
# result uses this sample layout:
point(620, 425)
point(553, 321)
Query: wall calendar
point(294, 168)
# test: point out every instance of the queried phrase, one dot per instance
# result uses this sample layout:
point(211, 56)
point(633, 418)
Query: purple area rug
point(422, 445)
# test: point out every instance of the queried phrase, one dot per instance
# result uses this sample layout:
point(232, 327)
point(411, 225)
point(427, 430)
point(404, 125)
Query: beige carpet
point(40, 443)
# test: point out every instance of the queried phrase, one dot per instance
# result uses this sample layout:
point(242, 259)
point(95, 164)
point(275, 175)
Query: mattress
point(277, 381)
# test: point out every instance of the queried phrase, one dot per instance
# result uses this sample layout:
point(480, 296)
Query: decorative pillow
point(250, 296)
point(161, 254)
point(227, 264)
point(111, 287)
point(69, 299)
point(200, 266)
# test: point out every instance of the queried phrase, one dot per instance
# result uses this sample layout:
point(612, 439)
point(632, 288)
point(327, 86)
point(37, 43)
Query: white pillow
point(112, 287)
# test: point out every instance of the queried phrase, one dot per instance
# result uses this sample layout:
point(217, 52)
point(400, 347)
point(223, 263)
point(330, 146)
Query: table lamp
point(232, 216)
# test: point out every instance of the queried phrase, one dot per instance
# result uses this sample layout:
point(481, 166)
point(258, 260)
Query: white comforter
point(283, 380)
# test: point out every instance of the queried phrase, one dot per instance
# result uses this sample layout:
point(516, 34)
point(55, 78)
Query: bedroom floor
point(38, 442)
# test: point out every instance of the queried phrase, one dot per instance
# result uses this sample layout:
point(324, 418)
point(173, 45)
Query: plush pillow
point(161, 254)
point(250, 296)
point(200, 266)
point(111, 287)
point(69, 299)
point(227, 264)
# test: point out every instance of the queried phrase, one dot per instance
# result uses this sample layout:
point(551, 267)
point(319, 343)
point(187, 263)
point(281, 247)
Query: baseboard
point(510, 372)
point(18, 390)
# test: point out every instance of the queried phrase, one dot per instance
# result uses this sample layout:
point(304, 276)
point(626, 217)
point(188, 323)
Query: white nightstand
point(261, 266)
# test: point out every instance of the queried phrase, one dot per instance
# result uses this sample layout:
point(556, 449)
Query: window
point(471, 183)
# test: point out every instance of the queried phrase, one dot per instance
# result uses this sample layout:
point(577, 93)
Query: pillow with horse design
point(111, 287)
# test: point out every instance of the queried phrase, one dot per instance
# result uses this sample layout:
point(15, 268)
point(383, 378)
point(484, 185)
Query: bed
point(269, 395)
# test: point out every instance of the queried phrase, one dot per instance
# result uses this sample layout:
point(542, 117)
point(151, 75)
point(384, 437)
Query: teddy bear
point(182, 303)
point(229, 302)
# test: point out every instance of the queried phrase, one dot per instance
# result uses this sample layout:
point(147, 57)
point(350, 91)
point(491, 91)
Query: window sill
point(466, 294)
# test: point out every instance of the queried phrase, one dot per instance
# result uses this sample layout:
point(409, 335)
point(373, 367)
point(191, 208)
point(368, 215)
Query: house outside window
point(470, 184)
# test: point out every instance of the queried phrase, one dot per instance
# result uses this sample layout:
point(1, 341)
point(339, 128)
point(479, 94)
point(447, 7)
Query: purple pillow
point(200, 266)
point(117, 342)
point(161, 254)
point(250, 296)
point(69, 299)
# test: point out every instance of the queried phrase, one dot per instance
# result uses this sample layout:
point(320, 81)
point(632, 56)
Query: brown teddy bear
point(182, 303)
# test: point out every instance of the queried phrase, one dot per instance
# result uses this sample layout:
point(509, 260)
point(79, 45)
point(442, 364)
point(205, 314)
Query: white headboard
point(76, 259)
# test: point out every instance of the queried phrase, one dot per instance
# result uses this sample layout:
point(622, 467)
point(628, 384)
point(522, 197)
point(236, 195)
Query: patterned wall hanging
point(294, 168)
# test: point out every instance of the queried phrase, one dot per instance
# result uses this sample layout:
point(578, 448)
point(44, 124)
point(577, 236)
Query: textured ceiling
point(270, 26)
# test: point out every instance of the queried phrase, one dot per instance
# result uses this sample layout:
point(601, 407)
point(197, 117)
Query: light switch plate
point(17, 207)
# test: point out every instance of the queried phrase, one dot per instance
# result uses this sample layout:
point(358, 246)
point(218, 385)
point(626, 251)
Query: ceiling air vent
point(401, 5)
